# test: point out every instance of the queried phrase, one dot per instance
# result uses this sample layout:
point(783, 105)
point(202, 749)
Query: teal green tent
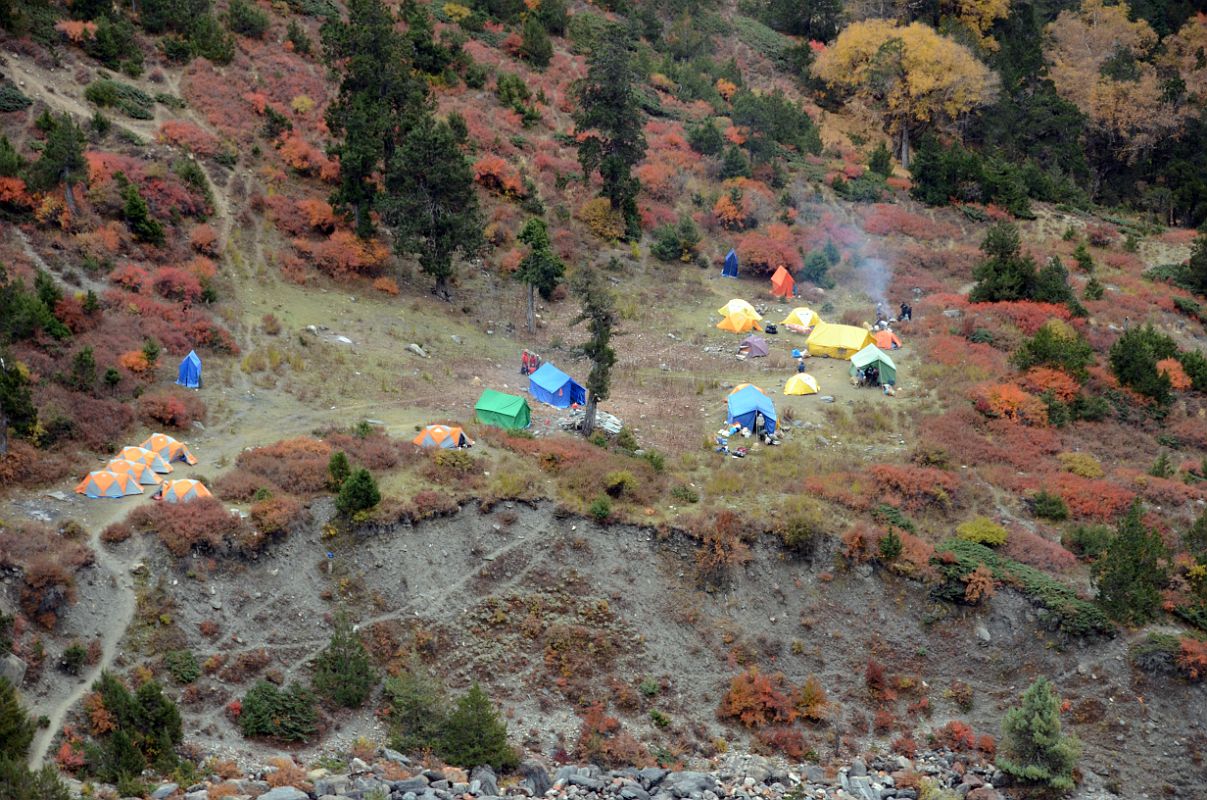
point(503, 410)
point(874, 355)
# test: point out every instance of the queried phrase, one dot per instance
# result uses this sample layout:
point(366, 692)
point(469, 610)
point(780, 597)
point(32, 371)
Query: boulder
point(166, 790)
point(983, 793)
point(585, 782)
point(284, 793)
point(395, 756)
point(484, 776)
point(12, 669)
point(416, 784)
point(535, 777)
point(631, 791)
point(858, 768)
point(331, 784)
point(652, 776)
point(684, 784)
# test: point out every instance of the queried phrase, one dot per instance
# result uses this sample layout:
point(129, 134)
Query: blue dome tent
point(190, 371)
point(552, 386)
point(747, 403)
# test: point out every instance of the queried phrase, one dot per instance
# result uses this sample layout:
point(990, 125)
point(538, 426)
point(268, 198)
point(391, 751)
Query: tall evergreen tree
point(536, 47)
point(62, 160)
point(1131, 574)
point(16, 730)
point(342, 672)
point(541, 270)
point(378, 94)
point(1196, 267)
point(815, 19)
point(1006, 274)
point(16, 404)
point(429, 199)
point(610, 121)
point(474, 734)
point(599, 312)
point(1032, 748)
point(418, 708)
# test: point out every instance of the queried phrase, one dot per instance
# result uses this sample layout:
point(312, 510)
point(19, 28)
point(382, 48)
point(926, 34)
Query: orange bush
point(915, 489)
point(1061, 384)
point(1192, 658)
point(757, 700)
point(733, 215)
point(278, 514)
point(14, 193)
point(135, 361)
point(762, 251)
point(1172, 368)
point(979, 585)
point(286, 773)
point(726, 88)
point(76, 31)
point(302, 156)
point(344, 255)
point(175, 409)
point(495, 174)
point(781, 739)
point(318, 213)
point(657, 179)
point(1087, 497)
point(884, 219)
point(1009, 401)
point(300, 464)
point(386, 285)
point(956, 735)
point(204, 239)
point(189, 137)
point(811, 701)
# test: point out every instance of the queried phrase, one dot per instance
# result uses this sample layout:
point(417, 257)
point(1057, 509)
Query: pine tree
point(138, 217)
point(1196, 267)
point(541, 270)
point(429, 199)
point(536, 46)
point(734, 164)
point(1052, 283)
point(378, 94)
point(609, 113)
point(16, 729)
point(474, 734)
point(338, 468)
point(359, 493)
point(1005, 274)
point(881, 161)
point(1032, 748)
point(342, 672)
point(16, 404)
point(1195, 538)
point(16, 781)
point(1130, 574)
point(62, 160)
point(417, 708)
point(598, 310)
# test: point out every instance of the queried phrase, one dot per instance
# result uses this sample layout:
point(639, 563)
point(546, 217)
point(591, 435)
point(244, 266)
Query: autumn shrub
point(757, 700)
point(811, 701)
point(1009, 401)
point(915, 489)
point(1088, 498)
point(171, 408)
point(1036, 551)
point(601, 219)
point(982, 530)
point(722, 545)
point(278, 515)
point(1082, 464)
point(300, 464)
point(204, 526)
point(602, 740)
point(783, 740)
point(767, 248)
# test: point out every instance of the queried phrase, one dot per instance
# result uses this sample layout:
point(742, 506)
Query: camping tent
point(182, 491)
point(801, 383)
point(141, 455)
point(886, 340)
point(104, 483)
point(756, 346)
point(742, 386)
point(168, 448)
point(189, 375)
point(739, 323)
point(782, 284)
point(446, 437)
point(552, 386)
point(747, 404)
point(503, 410)
point(139, 472)
point(730, 270)
point(802, 317)
point(874, 355)
point(837, 341)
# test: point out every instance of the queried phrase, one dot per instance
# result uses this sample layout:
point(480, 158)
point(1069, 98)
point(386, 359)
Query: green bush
point(247, 19)
point(982, 530)
point(1087, 541)
point(620, 483)
point(418, 709)
point(1157, 654)
point(890, 546)
point(474, 734)
point(684, 493)
point(296, 35)
point(114, 45)
point(138, 217)
point(146, 730)
point(12, 99)
point(1134, 357)
point(16, 729)
point(1032, 748)
point(11, 162)
point(358, 493)
point(182, 665)
point(891, 515)
point(1132, 571)
point(73, 658)
point(342, 672)
point(600, 509)
point(1074, 616)
point(208, 39)
point(130, 100)
point(1046, 505)
point(286, 714)
point(17, 781)
point(704, 138)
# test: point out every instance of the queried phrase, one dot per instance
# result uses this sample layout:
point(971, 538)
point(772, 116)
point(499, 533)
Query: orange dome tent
point(742, 386)
point(168, 449)
point(886, 340)
point(104, 483)
point(447, 437)
point(782, 283)
point(141, 473)
point(184, 490)
point(141, 455)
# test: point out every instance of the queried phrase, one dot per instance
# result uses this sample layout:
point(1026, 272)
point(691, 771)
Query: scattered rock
point(982, 633)
point(12, 669)
point(166, 790)
point(536, 778)
point(284, 793)
point(395, 756)
point(417, 350)
point(487, 782)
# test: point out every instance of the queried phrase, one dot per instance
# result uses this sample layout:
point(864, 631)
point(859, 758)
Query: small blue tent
point(746, 404)
point(190, 371)
point(550, 385)
point(731, 266)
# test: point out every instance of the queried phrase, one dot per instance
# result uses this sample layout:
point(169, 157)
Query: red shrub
point(130, 277)
point(786, 741)
point(875, 679)
point(1009, 401)
point(1086, 497)
point(497, 175)
point(757, 700)
point(883, 722)
point(299, 464)
point(1036, 551)
point(763, 250)
point(344, 254)
point(1101, 234)
point(884, 219)
point(204, 239)
point(188, 136)
point(956, 735)
point(174, 283)
point(915, 489)
point(1061, 384)
point(601, 741)
point(305, 158)
point(1192, 658)
point(202, 525)
point(905, 746)
point(278, 515)
point(319, 214)
point(175, 409)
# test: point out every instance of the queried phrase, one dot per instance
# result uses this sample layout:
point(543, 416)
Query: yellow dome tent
point(742, 386)
point(804, 317)
point(801, 383)
point(736, 307)
point(837, 341)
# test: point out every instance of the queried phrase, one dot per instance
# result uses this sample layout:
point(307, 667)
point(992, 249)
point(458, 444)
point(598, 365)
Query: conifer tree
point(1032, 748)
point(16, 729)
point(474, 734)
point(342, 672)
point(1006, 274)
point(536, 46)
point(359, 493)
point(599, 312)
point(540, 270)
point(62, 160)
point(1130, 574)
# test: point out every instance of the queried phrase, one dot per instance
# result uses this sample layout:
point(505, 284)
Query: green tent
point(874, 355)
point(503, 410)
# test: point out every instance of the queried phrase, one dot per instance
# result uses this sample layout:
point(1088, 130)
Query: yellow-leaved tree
point(1186, 52)
point(978, 16)
point(1100, 61)
point(912, 75)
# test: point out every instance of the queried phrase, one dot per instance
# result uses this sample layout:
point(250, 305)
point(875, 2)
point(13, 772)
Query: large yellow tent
point(801, 383)
point(804, 317)
point(837, 341)
point(740, 308)
point(739, 324)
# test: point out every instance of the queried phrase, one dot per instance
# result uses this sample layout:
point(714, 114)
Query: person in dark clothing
point(873, 376)
point(907, 312)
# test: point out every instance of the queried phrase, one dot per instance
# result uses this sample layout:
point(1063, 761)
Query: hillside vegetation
point(359, 214)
